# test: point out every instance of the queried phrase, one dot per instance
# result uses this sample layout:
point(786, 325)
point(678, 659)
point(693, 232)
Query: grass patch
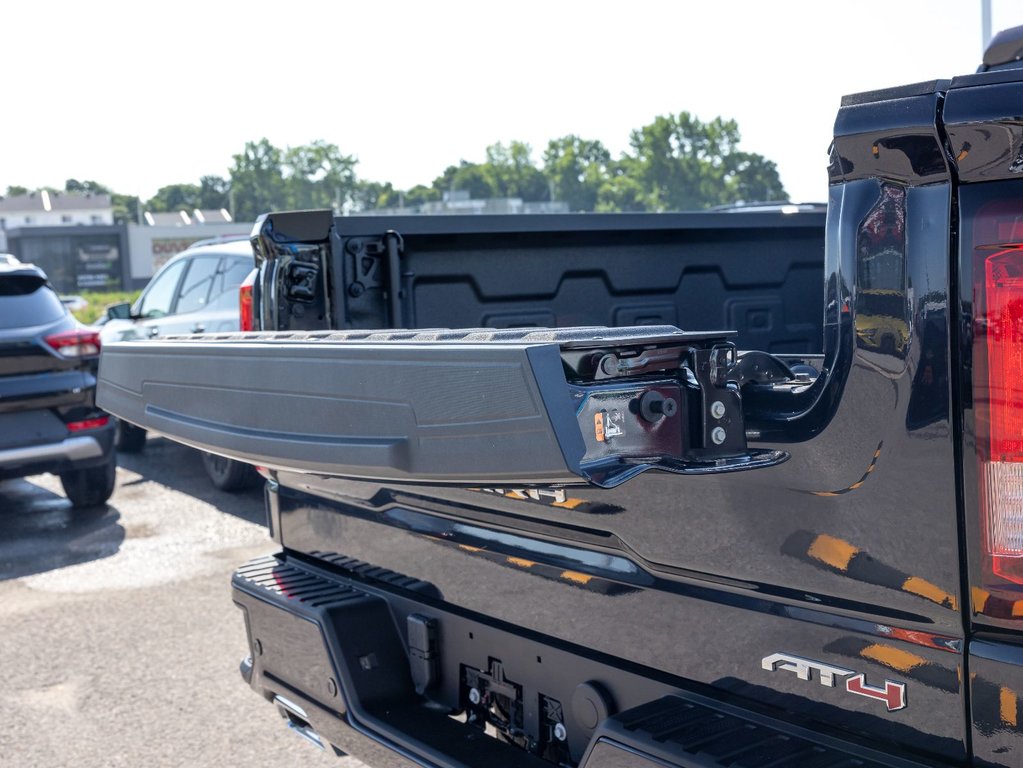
point(99, 301)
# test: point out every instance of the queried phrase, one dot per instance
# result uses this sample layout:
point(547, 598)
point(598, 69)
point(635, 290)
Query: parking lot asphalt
point(119, 643)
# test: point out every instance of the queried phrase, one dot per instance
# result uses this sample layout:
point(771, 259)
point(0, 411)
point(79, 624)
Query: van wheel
point(91, 486)
point(227, 474)
point(129, 438)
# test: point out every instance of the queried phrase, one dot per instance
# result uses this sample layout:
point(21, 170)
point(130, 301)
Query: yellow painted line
point(924, 588)
point(521, 562)
point(980, 598)
point(834, 552)
point(569, 503)
point(578, 578)
point(467, 548)
point(854, 486)
point(826, 493)
point(1007, 702)
point(1017, 609)
point(516, 495)
point(895, 658)
point(871, 468)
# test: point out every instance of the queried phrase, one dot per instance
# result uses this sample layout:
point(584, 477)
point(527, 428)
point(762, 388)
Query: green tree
point(474, 178)
point(174, 197)
point(514, 173)
point(317, 175)
point(214, 193)
point(126, 208)
point(682, 163)
point(420, 194)
point(257, 180)
point(86, 187)
point(575, 170)
point(370, 195)
point(622, 190)
point(509, 171)
point(13, 190)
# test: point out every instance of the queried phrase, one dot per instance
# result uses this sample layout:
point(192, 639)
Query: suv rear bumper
point(346, 651)
point(77, 452)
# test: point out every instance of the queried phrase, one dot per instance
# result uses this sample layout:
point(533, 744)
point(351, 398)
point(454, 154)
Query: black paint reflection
point(882, 324)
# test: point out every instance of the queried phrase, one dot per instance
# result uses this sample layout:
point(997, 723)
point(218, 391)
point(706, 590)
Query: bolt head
point(560, 733)
point(717, 409)
point(718, 435)
point(474, 696)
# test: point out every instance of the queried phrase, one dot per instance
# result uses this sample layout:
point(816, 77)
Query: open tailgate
point(533, 407)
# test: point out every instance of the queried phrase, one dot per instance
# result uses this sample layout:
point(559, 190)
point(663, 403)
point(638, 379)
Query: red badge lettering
point(893, 694)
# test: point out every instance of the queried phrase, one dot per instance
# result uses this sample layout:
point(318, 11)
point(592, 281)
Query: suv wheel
point(90, 487)
point(130, 439)
point(227, 474)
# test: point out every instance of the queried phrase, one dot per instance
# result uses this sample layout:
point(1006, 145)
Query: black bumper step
point(331, 639)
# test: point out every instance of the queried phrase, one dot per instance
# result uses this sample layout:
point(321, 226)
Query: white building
point(55, 209)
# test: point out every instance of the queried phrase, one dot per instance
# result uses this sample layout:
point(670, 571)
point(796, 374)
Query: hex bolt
point(474, 696)
point(331, 686)
point(717, 409)
point(718, 435)
point(559, 732)
point(355, 290)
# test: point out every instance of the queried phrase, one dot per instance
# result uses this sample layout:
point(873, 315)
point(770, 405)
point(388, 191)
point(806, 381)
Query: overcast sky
point(137, 96)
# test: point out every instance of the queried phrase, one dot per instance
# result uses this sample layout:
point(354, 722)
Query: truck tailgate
point(464, 407)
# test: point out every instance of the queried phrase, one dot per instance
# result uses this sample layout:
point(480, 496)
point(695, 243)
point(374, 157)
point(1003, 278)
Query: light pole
point(985, 24)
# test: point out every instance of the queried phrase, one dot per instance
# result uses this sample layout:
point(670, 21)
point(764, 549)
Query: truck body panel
point(853, 589)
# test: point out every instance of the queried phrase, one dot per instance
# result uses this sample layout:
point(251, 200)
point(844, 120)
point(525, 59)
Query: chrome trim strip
point(71, 449)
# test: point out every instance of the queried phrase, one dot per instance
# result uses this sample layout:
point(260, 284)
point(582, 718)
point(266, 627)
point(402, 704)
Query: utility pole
point(985, 25)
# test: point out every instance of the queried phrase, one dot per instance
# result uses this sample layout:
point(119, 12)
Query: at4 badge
point(893, 694)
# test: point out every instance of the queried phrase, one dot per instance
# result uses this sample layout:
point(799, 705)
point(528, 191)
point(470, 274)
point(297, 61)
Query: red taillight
point(998, 399)
point(76, 343)
point(85, 424)
point(246, 308)
point(998, 395)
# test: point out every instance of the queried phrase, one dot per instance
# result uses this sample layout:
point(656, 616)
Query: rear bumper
point(76, 452)
point(374, 663)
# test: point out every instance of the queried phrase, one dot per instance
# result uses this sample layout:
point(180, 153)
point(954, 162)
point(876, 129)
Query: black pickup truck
point(542, 525)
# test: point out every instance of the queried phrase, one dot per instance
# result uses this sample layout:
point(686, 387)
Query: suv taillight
point(998, 395)
point(246, 307)
point(76, 343)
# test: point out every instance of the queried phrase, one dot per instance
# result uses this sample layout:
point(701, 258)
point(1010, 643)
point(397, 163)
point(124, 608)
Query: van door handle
point(154, 332)
point(198, 328)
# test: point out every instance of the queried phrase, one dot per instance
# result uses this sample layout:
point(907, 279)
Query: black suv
point(48, 417)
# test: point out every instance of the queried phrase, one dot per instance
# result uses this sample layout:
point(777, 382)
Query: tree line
point(677, 162)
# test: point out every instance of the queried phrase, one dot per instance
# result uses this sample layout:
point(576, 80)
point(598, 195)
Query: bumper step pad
point(328, 638)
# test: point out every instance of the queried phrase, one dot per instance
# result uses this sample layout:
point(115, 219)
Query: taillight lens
point(246, 307)
point(999, 400)
point(998, 391)
point(76, 343)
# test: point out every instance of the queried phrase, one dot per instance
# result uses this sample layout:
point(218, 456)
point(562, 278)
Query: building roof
point(45, 202)
point(187, 219)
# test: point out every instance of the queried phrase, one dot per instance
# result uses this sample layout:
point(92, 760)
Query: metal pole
point(985, 25)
